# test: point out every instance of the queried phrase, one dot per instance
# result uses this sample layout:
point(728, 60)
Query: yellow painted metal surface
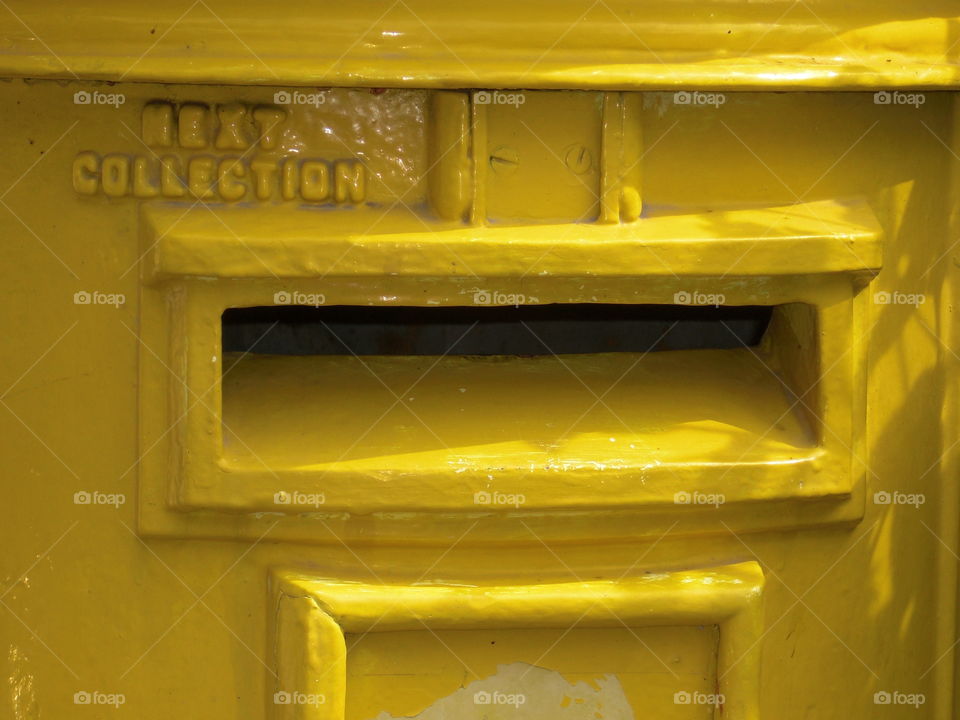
point(427, 43)
point(745, 531)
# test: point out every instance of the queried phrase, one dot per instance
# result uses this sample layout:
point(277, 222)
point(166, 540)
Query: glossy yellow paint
point(428, 43)
point(760, 532)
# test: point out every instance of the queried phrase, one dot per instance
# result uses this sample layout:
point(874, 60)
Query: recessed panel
point(566, 674)
point(542, 156)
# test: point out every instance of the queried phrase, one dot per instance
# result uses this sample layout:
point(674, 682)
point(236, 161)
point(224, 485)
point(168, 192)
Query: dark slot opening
point(525, 330)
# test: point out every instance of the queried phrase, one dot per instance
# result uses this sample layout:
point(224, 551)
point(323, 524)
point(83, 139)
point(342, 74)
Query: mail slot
point(469, 387)
point(490, 330)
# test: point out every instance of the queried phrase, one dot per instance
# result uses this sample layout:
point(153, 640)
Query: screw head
point(504, 160)
point(578, 159)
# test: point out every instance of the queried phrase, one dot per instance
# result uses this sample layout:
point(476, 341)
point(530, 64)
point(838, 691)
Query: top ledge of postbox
point(659, 44)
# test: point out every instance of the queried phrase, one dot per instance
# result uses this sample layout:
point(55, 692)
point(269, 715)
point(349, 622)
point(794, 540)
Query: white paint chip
point(520, 690)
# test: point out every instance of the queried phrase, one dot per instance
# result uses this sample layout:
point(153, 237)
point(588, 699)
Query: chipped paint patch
point(534, 693)
point(23, 699)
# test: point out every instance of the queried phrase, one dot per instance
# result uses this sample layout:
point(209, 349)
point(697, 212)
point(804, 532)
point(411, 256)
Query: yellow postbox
point(402, 360)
